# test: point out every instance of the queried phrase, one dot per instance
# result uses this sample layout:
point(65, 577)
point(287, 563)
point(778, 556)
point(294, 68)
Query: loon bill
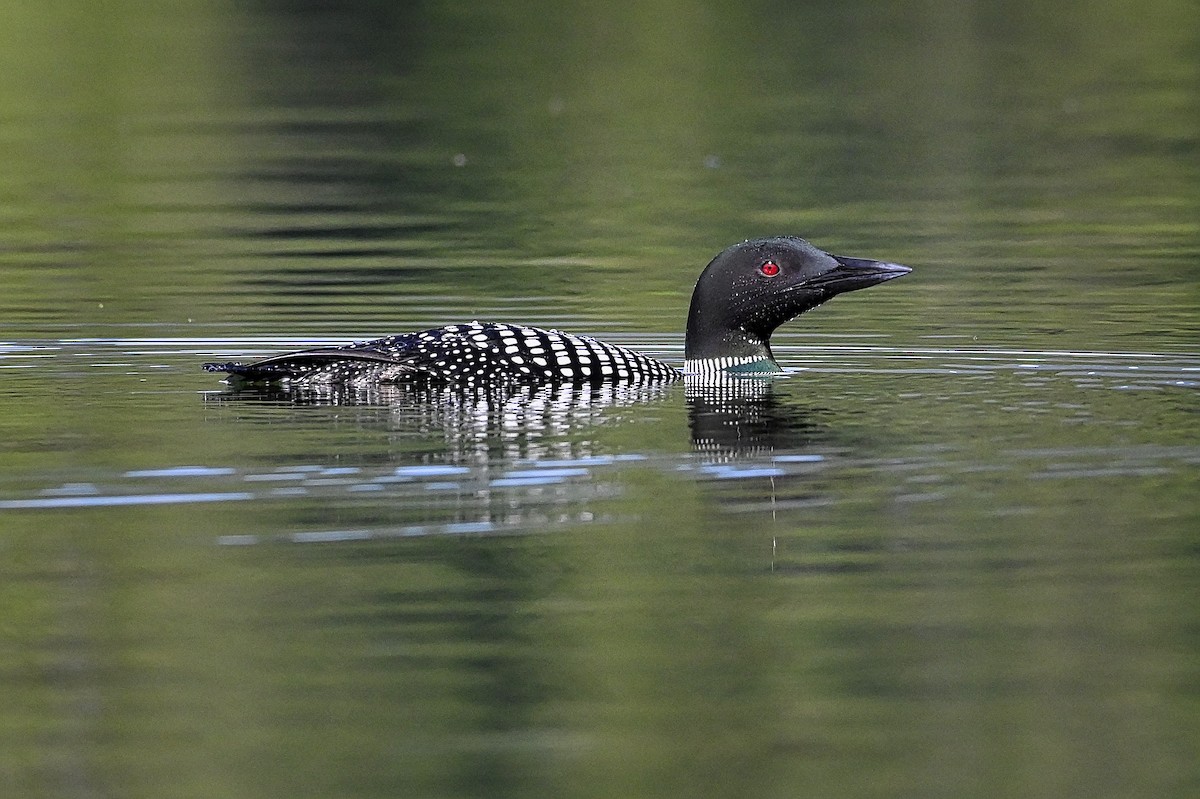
point(742, 296)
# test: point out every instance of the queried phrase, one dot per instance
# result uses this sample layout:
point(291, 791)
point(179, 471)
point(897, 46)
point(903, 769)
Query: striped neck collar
point(749, 364)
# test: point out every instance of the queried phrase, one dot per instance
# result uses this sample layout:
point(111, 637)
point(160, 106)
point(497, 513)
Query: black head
point(754, 287)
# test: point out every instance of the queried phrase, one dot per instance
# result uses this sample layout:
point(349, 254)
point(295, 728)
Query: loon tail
point(294, 365)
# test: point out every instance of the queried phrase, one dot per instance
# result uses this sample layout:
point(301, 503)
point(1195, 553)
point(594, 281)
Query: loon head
point(754, 287)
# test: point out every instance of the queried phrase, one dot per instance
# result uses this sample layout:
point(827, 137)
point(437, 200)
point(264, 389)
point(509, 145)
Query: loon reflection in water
point(741, 297)
point(730, 417)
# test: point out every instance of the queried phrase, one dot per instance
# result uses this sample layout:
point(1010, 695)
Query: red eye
point(769, 268)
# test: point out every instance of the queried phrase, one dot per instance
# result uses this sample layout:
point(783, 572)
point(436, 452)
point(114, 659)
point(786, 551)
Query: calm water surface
point(953, 552)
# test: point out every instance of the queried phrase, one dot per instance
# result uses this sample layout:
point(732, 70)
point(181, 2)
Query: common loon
point(742, 296)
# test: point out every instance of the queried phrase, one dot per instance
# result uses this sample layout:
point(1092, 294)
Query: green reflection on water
point(682, 652)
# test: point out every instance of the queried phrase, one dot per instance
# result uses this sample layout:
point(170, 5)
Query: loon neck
point(727, 351)
point(705, 343)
